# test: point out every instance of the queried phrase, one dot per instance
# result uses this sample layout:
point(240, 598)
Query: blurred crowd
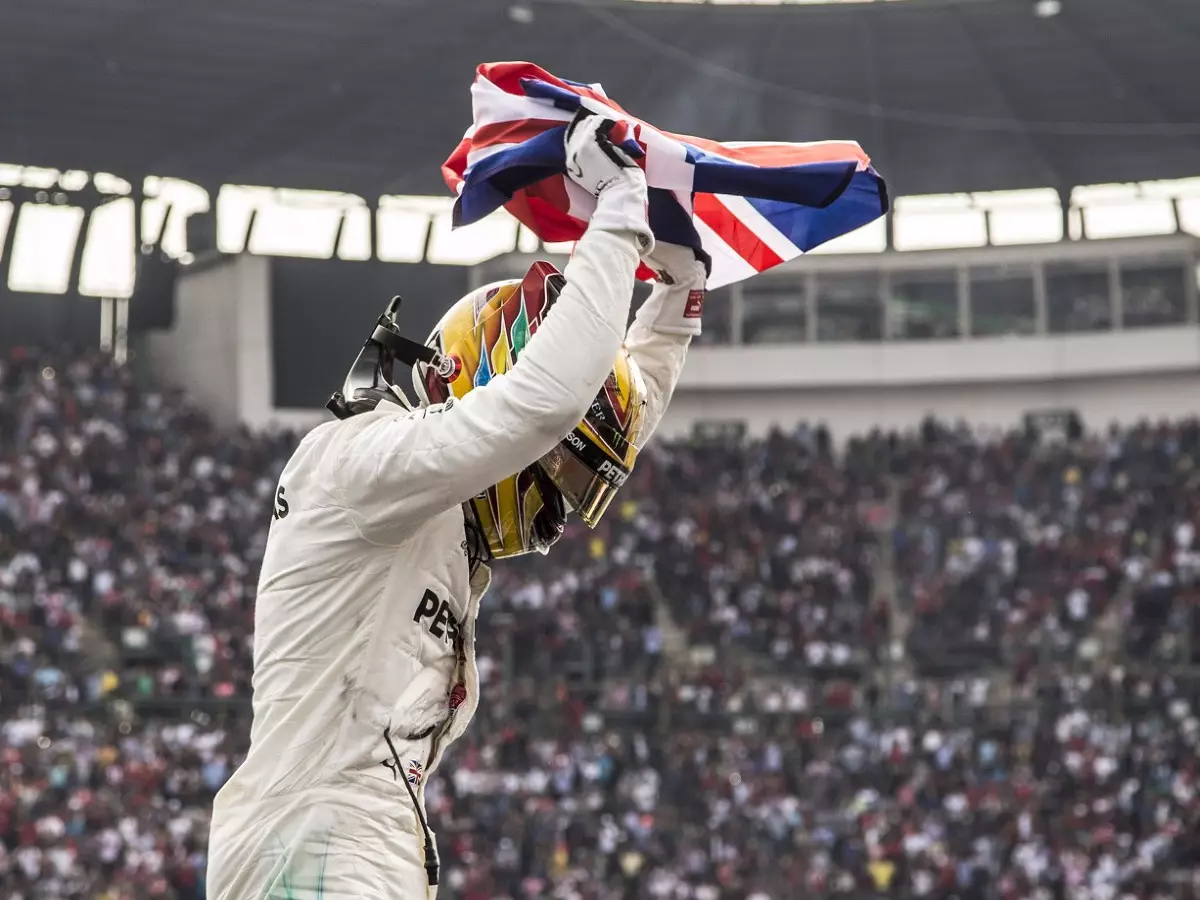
point(942, 664)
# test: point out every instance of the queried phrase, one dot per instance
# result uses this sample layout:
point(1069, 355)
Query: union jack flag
point(751, 206)
point(415, 771)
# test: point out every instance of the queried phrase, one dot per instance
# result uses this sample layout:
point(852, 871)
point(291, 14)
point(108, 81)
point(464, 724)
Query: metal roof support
point(6, 251)
point(810, 298)
point(963, 281)
point(1191, 289)
point(1115, 300)
point(372, 225)
point(80, 242)
point(137, 193)
point(1064, 205)
point(1041, 312)
point(887, 329)
point(737, 313)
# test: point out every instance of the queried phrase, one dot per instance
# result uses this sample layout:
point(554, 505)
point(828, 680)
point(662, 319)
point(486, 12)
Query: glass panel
point(1077, 297)
point(43, 248)
point(1002, 301)
point(848, 308)
point(774, 314)
point(716, 317)
point(924, 306)
point(1154, 294)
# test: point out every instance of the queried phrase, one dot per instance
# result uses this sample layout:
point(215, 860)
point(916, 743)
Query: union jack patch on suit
point(416, 771)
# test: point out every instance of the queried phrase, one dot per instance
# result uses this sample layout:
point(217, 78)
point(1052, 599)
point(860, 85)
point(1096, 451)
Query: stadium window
point(168, 203)
point(285, 222)
point(1077, 297)
point(300, 223)
point(849, 308)
point(1075, 224)
point(1022, 217)
point(923, 305)
point(1154, 293)
point(355, 242)
point(527, 241)
point(774, 312)
point(1185, 194)
point(471, 244)
point(871, 238)
point(1189, 215)
point(107, 267)
point(1122, 210)
point(1002, 301)
point(402, 226)
point(44, 248)
point(938, 222)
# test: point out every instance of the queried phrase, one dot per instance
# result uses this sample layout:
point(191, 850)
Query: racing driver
point(532, 402)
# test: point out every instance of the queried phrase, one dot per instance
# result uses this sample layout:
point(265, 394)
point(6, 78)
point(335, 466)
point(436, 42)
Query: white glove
point(677, 304)
point(608, 173)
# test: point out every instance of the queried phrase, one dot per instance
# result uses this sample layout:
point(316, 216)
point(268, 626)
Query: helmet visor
point(587, 471)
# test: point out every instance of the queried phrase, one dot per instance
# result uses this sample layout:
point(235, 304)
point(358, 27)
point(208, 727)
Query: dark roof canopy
point(370, 95)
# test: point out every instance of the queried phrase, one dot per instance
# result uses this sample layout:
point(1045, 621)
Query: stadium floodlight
point(1047, 9)
point(521, 13)
point(73, 180)
point(107, 183)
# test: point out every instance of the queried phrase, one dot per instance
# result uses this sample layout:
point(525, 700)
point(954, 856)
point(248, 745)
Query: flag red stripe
point(735, 233)
point(510, 132)
point(456, 164)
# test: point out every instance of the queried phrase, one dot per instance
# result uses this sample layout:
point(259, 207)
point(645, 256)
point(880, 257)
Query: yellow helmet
point(482, 336)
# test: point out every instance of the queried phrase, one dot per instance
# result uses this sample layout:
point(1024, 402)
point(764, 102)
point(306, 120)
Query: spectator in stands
point(748, 683)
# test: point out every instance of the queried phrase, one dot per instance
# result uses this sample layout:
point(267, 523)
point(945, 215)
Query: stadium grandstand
point(904, 599)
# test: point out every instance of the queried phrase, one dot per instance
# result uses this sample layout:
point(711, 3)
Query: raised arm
point(396, 469)
point(663, 328)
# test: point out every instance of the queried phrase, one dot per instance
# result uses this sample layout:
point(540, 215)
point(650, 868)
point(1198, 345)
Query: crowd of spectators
point(1014, 548)
point(942, 664)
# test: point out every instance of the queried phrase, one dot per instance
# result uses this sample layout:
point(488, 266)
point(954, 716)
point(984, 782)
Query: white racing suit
point(365, 619)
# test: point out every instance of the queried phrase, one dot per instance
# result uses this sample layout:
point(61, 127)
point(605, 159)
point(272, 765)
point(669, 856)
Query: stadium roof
point(369, 96)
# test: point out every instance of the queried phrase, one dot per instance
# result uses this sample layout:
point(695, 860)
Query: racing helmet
point(480, 337)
